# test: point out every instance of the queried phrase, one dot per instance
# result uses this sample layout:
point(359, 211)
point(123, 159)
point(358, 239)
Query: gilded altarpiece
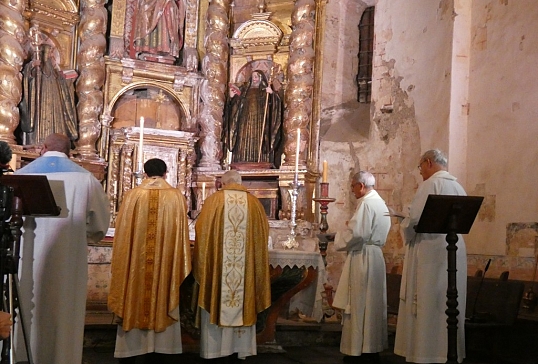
point(181, 98)
point(260, 42)
point(175, 148)
point(165, 91)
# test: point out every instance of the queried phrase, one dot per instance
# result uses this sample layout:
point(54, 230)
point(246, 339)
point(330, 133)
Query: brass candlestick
point(139, 175)
point(324, 201)
point(291, 242)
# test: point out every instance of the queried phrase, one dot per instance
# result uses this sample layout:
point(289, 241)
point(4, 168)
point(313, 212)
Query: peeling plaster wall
point(411, 73)
point(469, 91)
point(502, 150)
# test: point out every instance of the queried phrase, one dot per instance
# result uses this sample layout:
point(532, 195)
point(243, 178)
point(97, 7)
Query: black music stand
point(30, 195)
point(35, 193)
point(451, 215)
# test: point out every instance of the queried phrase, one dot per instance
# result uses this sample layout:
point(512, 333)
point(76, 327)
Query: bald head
point(231, 177)
point(57, 143)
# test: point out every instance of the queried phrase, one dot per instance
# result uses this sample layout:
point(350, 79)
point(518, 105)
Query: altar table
point(297, 276)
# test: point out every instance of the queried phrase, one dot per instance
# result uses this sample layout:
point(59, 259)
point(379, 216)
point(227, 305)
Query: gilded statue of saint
point(48, 103)
point(158, 28)
point(252, 129)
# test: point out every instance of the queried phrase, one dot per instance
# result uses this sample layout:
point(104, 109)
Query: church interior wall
point(416, 52)
point(393, 142)
point(502, 129)
point(414, 107)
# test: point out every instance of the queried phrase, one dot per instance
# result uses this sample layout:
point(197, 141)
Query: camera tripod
point(11, 209)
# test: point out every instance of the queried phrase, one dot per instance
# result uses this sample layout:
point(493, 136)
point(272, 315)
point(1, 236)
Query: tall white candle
point(297, 152)
point(325, 171)
point(141, 145)
point(203, 191)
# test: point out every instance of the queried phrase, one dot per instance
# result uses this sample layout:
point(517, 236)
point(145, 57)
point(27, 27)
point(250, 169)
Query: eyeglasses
point(420, 164)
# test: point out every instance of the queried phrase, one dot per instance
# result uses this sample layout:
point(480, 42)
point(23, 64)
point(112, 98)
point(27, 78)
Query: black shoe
point(365, 358)
point(234, 358)
point(372, 358)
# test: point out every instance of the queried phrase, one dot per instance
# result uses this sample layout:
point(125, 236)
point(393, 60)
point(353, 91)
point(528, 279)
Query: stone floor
point(317, 354)
point(297, 344)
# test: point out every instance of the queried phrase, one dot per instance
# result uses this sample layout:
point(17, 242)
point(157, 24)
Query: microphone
point(474, 318)
point(486, 269)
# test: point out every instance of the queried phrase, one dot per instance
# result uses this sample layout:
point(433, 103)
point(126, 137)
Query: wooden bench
point(492, 309)
point(497, 302)
point(491, 313)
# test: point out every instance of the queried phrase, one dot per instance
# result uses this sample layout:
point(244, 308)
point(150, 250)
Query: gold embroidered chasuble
point(248, 247)
point(150, 256)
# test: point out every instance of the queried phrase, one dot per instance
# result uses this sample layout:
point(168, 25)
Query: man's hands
point(5, 324)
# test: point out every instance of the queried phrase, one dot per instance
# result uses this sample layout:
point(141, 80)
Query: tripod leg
point(14, 294)
point(6, 343)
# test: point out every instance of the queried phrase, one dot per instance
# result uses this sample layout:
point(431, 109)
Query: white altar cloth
point(309, 300)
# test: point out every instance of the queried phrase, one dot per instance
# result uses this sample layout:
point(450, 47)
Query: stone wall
point(457, 75)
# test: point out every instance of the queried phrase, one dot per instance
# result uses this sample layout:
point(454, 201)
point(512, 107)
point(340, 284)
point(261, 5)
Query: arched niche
point(272, 70)
point(160, 107)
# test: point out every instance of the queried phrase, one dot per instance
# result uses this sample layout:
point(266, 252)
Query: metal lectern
point(450, 215)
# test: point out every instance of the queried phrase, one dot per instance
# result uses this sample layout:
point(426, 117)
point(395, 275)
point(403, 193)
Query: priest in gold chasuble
point(231, 267)
point(150, 260)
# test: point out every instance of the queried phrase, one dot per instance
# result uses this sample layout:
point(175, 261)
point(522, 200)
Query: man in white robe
point(361, 292)
point(421, 331)
point(54, 266)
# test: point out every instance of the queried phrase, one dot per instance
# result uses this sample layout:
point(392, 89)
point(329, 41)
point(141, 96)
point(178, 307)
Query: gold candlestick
point(324, 201)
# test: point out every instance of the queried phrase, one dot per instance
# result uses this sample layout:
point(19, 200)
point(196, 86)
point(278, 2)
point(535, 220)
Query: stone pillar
point(214, 67)
point(12, 55)
point(299, 91)
point(91, 65)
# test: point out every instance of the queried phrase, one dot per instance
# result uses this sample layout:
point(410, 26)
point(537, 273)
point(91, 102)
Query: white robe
point(54, 265)
point(421, 331)
point(362, 292)
point(139, 342)
point(216, 341)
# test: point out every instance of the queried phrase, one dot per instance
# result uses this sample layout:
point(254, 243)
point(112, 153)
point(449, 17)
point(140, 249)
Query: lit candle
point(325, 170)
point(203, 191)
point(297, 152)
point(141, 145)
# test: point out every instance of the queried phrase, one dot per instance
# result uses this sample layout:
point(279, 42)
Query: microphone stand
point(474, 318)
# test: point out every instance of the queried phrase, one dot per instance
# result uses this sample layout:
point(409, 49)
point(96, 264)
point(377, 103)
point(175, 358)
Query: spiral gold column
point(214, 67)
point(12, 55)
point(91, 66)
point(298, 111)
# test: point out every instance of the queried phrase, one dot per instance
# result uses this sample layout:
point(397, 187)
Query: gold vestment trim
point(233, 258)
point(151, 239)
